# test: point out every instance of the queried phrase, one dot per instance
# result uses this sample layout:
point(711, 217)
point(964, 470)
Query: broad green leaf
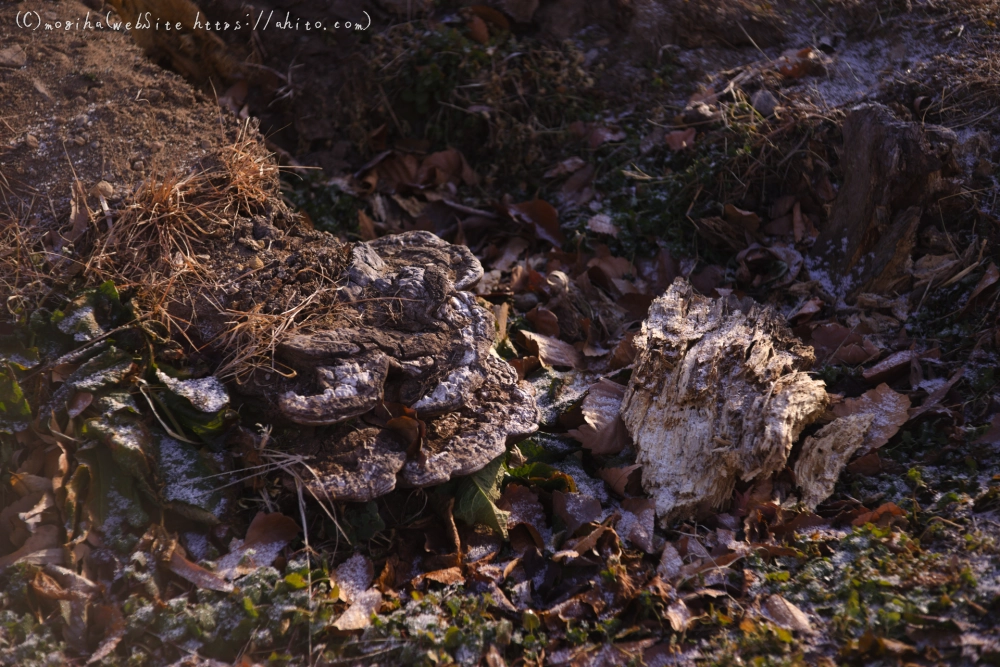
point(14, 353)
point(190, 485)
point(365, 520)
point(113, 499)
point(106, 369)
point(544, 477)
point(475, 499)
point(15, 413)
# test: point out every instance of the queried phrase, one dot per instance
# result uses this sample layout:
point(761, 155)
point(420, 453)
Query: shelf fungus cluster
point(398, 384)
point(720, 396)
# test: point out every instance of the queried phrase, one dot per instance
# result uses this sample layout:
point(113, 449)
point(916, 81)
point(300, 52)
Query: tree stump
point(892, 169)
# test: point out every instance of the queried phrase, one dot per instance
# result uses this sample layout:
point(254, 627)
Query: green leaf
point(477, 494)
point(296, 581)
point(544, 477)
point(15, 413)
point(14, 353)
point(108, 368)
point(112, 498)
point(365, 520)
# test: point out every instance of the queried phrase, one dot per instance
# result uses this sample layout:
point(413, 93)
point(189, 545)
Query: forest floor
point(589, 154)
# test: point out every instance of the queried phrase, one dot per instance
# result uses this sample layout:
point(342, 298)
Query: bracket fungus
point(401, 342)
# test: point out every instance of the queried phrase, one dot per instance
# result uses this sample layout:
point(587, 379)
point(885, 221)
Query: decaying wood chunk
point(892, 169)
point(824, 455)
point(719, 394)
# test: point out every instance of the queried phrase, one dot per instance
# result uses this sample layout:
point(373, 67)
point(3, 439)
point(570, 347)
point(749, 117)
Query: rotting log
point(719, 394)
point(892, 171)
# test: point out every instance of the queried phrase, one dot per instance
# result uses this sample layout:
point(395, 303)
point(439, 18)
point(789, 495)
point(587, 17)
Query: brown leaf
point(112, 637)
point(266, 537)
point(358, 616)
point(79, 214)
point(992, 435)
point(544, 321)
point(491, 15)
point(447, 166)
point(797, 64)
point(623, 481)
point(542, 216)
point(679, 616)
point(895, 364)
point(525, 366)
point(552, 351)
point(366, 226)
point(598, 135)
point(602, 224)
point(80, 402)
point(637, 522)
point(525, 510)
point(413, 431)
point(890, 410)
point(575, 509)
point(567, 166)
point(478, 30)
point(196, 574)
point(624, 353)
point(835, 342)
point(938, 395)
point(670, 563)
point(745, 219)
point(882, 515)
point(603, 431)
point(990, 277)
point(786, 615)
point(448, 576)
point(681, 139)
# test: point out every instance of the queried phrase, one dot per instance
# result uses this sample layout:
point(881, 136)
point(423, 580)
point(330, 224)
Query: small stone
point(206, 144)
point(764, 102)
point(153, 95)
point(156, 146)
point(138, 165)
point(14, 56)
point(256, 263)
point(525, 302)
point(104, 189)
point(31, 141)
point(79, 141)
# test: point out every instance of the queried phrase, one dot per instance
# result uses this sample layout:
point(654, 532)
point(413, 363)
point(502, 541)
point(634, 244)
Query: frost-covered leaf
point(266, 537)
point(190, 485)
point(476, 497)
point(205, 394)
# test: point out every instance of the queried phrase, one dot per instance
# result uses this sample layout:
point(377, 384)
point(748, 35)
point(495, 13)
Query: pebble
point(138, 165)
point(206, 144)
point(526, 301)
point(14, 56)
point(156, 146)
point(79, 141)
point(31, 141)
point(764, 102)
point(256, 262)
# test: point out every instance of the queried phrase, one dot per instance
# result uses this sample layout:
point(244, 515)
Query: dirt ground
point(589, 154)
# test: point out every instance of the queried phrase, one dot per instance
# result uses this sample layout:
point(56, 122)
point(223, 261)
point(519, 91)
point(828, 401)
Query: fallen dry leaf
point(889, 409)
point(266, 537)
point(544, 321)
point(637, 522)
point(786, 615)
point(623, 481)
point(525, 510)
point(575, 509)
point(196, 574)
point(679, 615)
point(552, 351)
point(679, 140)
point(670, 563)
point(359, 615)
point(567, 166)
point(602, 224)
point(603, 431)
point(478, 30)
point(543, 218)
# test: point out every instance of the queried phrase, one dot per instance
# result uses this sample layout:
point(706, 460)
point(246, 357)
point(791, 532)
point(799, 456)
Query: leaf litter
point(579, 571)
